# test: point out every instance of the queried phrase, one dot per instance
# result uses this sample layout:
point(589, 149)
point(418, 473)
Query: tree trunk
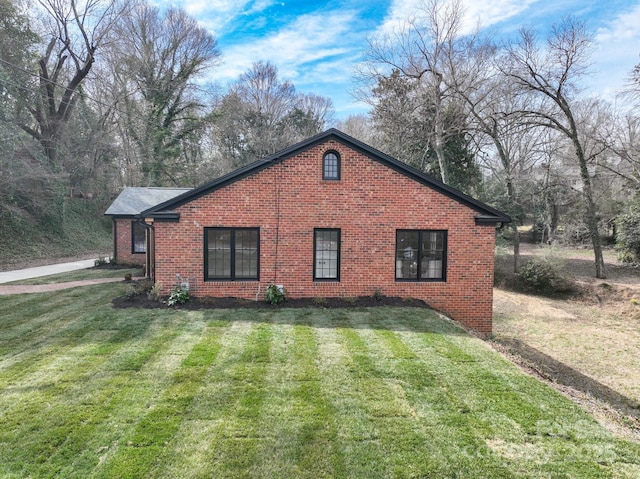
point(591, 220)
point(438, 119)
point(511, 194)
point(516, 246)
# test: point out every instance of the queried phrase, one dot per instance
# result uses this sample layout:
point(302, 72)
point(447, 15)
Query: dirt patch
point(616, 412)
point(585, 343)
point(553, 370)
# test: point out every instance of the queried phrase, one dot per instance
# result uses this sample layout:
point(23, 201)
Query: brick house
point(129, 232)
point(328, 217)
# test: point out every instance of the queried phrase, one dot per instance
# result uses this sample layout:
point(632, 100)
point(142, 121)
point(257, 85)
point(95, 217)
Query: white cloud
point(477, 13)
point(296, 49)
point(399, 12)
point(486, 13)
point(617, 48)
point(215, 15)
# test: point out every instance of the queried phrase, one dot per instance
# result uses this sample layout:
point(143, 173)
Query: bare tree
point(550, 75)
point(419, 52)
point(76, 30)
point(262, 113)
point(623, 140)
point(266, 100)
point(359, 127)
point(492, 106)
point(268, 95)
point(632, 89)
point(155, 61)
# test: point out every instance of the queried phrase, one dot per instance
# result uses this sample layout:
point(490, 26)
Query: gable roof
point(134, 200)
point(487, 214)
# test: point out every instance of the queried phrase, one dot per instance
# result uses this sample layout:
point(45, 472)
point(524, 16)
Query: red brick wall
point(369, 203)
point(123, 254)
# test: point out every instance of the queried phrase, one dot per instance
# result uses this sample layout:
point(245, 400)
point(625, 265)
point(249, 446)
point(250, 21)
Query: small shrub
point(145, 286)
point(276, 294)
point(100, 262)
point(542, 277)
point(131, 292)
point(127, 277)
point(319, 301)
point(377, 295)
point(155, 294)
point(178, 296)
point(350, 299)
point(137, 288)
point(628, 233)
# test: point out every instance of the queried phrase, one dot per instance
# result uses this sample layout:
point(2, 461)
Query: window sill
point(229, 280)
point(426, 280)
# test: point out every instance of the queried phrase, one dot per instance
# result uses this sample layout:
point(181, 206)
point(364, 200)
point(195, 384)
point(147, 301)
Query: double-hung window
point(421, 255)
point(326, 254)
point(232, 254)
point(138, 238)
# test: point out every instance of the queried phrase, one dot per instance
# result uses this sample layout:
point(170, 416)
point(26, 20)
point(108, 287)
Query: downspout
point(277, 198)
point(151, 256)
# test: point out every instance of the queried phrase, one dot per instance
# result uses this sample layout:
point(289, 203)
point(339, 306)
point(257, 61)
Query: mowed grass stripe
point(357, 437)
point(30, 330)
point(85, 418)
point(297, 421)
point(164, 414)
point(366, 393)
point(523, 424)
point(445, 441)
point(67, 367)
point(408, 448)
point(220, 433)
point(124, 410)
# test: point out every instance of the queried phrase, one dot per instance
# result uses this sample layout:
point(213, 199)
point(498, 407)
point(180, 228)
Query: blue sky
point(316, 44)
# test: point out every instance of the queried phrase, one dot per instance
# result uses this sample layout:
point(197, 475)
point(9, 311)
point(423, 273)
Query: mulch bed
point(141, 301)
point(116, 266)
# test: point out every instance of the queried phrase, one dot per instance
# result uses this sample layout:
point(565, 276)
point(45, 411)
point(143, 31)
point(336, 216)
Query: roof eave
point(118, 216)
point(162, 216)
point(492, 220)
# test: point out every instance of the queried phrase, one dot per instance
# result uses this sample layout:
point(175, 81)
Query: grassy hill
point(78, 228)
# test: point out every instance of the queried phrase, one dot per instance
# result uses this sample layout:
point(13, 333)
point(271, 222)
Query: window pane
point(219, 250)
point(407, 250)
point(432, 254)
point(139, 240)
point(327, 250)
point(330, 166)
point(246, 254)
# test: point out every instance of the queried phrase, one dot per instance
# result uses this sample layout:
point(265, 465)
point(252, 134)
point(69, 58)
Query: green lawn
point(89, 391)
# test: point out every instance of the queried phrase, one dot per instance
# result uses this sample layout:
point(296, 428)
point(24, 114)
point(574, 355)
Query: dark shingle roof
point(134, 200)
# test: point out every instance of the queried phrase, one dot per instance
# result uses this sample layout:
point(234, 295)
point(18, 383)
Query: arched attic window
point(331, 166)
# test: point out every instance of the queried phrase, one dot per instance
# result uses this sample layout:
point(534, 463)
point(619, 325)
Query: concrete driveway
point(28, 273)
